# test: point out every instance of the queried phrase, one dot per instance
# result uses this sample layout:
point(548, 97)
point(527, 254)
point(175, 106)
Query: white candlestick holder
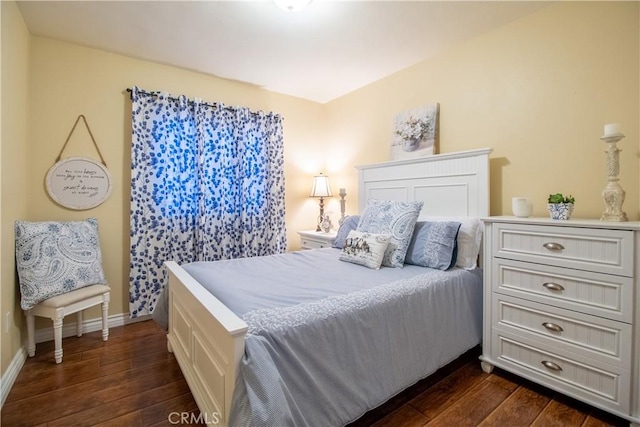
point(343, 194)
point(613, 194)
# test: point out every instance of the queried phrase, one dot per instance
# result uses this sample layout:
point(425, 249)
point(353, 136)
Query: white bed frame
point(207, 338)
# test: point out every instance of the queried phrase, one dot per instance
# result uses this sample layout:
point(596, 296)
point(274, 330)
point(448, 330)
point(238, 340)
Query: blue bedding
point(329, 340)
point(247, 284)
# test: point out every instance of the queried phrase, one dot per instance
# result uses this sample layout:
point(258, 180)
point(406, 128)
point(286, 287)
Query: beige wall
point(14, 176)
point(538, 91)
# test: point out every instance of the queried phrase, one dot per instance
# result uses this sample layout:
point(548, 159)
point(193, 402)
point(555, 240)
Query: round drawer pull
point(552, 366)
point(552, 327)
point(553, 286)
point(552, 246)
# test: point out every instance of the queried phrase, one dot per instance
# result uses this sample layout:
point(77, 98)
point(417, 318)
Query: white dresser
point(562, 307)
point(316, 239)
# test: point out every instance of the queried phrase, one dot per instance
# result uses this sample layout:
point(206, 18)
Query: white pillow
point(365, 249)
point(469, 239)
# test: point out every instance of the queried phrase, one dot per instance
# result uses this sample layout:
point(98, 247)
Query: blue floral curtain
point(207, 183)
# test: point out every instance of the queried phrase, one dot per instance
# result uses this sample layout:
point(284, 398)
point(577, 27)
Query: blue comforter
point(323, 352)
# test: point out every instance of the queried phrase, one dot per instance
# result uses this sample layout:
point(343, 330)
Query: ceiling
point(326, 50)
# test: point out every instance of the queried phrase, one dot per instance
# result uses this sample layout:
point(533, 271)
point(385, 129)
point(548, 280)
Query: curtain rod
point(208, 104)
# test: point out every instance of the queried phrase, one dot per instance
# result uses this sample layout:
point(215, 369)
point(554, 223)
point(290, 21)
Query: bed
point(319, 359)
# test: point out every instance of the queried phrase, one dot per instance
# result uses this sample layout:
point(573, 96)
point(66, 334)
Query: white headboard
point(453, 184)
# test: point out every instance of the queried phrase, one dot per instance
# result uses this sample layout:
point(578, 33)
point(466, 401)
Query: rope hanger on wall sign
point(95, 144)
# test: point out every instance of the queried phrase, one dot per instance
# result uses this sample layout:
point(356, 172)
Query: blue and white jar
point(560, 210)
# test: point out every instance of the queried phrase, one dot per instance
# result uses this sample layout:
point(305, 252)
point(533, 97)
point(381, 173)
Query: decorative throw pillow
point(434, 244)
point(469, 239)
point(364, 249)
point(54, 258)
point(394, 218)
point(350, 223)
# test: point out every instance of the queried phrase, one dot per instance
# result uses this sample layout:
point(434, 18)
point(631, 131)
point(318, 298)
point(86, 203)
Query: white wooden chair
point(56, 308)
point(60, 270)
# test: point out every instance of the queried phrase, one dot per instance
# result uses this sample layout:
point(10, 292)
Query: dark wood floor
point(132, 380)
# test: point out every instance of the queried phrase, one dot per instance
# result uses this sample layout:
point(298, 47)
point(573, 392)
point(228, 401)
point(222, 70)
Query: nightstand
point(561, 307)
point(311, 239)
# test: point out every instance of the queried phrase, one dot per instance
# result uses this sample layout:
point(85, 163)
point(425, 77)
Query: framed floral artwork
point(415, 133)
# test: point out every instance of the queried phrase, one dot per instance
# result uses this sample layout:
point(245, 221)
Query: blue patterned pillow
point(434, 244)
point(56, 257)
point(394, 218)
point(469, 239)
point(350, 223)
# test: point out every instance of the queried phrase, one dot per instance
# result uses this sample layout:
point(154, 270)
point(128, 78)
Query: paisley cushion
point(397, 219)
point(56, 257)
point(434, 244)
point(469, 239)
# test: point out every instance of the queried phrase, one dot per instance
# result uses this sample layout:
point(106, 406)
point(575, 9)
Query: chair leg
point(57, 336)
point(31, 338)
point(105, 320)
point(79, 323)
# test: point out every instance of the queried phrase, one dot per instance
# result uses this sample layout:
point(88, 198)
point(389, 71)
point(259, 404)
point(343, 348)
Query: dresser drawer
point(313, 244)
point(590, 249)
point(605, 385)
point(599, 339)
point(598, 294)
point(316, 239)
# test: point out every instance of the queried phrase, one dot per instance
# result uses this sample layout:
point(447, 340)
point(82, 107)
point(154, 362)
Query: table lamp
point(320, 189)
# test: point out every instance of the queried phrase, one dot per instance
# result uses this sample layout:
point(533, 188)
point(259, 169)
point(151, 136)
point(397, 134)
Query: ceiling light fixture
point(291, 5)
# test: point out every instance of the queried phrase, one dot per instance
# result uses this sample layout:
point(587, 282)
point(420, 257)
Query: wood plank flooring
point(131, 380)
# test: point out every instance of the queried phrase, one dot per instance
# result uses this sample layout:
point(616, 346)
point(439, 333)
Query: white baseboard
point(46, 334)
point(10, 375)
point(89, 325)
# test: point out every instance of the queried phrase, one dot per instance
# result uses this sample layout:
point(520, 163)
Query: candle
point(612, 129)
point(343, 192)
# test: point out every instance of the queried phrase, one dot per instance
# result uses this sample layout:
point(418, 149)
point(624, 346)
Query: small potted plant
point(559, 206)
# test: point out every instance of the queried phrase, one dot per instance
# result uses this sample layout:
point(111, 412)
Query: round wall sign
point(79, 183)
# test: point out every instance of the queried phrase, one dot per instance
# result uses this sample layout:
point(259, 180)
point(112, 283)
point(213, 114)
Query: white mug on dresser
point(521, 207)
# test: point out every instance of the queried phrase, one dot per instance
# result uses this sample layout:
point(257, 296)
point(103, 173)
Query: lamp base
point(614, 218)
point(321, 216)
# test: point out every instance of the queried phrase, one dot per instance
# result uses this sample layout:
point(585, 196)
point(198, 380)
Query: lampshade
point(320, 186)
point(291, 5)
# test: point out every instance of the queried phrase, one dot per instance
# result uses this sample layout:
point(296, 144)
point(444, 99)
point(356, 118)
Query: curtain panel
point(207, 183)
